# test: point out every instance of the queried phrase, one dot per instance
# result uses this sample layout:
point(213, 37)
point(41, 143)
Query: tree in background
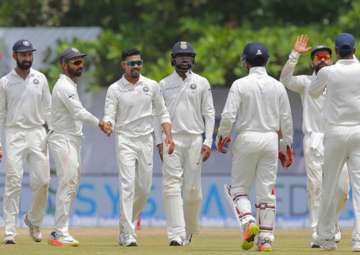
point(218, 30)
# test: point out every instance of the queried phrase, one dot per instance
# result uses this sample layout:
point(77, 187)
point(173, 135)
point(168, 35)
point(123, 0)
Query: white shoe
point(33, 230)
point(328, 244)
point(56, 239)
point(337, 234)
point(8, 239)
point(177, 241)
point(187, 240)
point(356, 246)
point(128, 241)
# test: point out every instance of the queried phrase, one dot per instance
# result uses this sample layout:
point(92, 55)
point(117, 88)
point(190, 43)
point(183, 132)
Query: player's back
point(260, 100)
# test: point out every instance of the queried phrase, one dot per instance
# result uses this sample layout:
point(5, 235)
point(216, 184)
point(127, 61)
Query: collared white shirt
point(24, 103)
point(313, 120)
point(190, 104)
point(131, 107)
point(257, 102)
point(342, 82)
point(67, 112)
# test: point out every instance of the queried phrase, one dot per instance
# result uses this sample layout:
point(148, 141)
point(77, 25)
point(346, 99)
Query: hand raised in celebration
point(301, 44)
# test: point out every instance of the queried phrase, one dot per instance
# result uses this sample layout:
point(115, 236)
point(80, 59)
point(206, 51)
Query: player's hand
point(221, 142)
point(286, 157)
point(170, 145)
point(301, 43)
point(161, 150)
point(205, 152)
point(106, 127)
point(1, 153)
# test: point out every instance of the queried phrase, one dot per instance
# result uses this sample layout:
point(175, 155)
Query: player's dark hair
point(345, 53)
point(257, 61)
point(129, 52)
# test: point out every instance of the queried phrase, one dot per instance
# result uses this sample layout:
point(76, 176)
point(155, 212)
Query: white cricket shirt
point(67, 112)
point(24, 103)
point(313, 120)
point(257, 102)
point(131, 107)
point(190, 104)
point(342, 82)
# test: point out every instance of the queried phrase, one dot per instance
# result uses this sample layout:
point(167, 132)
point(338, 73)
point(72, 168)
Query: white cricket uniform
point(257, 106)
point(192, 113)
point(67, 117)
point(342, 139)
point(24, 109)
point(130, 109)
point(313, 129)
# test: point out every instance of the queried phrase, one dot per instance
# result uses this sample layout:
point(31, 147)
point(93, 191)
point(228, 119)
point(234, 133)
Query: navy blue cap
point(255, 50)
point(23, 46)
point(182, 47)
point(344, 42)
point(70, 53)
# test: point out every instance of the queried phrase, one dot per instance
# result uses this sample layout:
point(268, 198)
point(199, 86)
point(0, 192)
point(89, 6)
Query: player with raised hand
point(257, 107)
point(313, 128)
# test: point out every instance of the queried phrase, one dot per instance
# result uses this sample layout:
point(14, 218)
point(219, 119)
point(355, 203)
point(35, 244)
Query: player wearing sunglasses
point(130, 106)
point(313, 128)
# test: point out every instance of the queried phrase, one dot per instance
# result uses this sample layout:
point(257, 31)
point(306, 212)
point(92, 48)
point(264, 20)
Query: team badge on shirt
point(145, 89)
point(193, 86)
point(36, 81)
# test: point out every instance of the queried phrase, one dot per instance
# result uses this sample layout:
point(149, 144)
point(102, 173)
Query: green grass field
point(102, 241)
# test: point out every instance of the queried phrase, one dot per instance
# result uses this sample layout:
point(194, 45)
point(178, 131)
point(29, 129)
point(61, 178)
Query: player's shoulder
point(148, 81)
point(200, 79)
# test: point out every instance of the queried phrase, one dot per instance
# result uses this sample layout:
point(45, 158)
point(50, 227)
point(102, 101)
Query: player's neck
point(23, 73)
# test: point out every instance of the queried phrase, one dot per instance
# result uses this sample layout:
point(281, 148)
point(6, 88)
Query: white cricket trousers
point(342, 145)
point(24, 146)
point(66, 150)
point(314, 158)
point(254, 163)
point(182, 185)
point(135, 162)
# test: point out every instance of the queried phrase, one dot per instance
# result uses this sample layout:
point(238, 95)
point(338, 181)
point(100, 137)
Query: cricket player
point(189, 100)
point(25, 103)
point(130, 105)
point(342, 137)
point(257, 107)
point(313, 129)
point(65, 138)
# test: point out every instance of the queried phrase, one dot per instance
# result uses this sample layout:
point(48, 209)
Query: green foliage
point(218, 31)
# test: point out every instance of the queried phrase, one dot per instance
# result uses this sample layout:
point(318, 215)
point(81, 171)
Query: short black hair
point(257, 61)
point(345, 53)
point(129, 52)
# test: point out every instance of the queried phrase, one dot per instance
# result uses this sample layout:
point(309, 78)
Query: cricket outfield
point(103, 241)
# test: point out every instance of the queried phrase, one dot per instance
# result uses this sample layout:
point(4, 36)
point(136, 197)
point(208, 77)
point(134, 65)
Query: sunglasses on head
point(135, 62)
point(76, 62)
point(322, 56)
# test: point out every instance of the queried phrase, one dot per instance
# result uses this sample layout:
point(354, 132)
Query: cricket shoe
point(177, 241)
point(127, 242)
point(337, 234)
point(34, 231)
point(56, 239)
point(314, 244)
point(264, 244)
point(187, 239)
point(328, 244)
point(356, 246)
point(249, 234)
point(9, 239)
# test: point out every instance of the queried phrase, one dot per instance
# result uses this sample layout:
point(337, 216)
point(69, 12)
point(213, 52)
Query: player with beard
point(189, 101)
point(313, 129)
point(130, 105)
point(24, 111)
point(65, 138)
